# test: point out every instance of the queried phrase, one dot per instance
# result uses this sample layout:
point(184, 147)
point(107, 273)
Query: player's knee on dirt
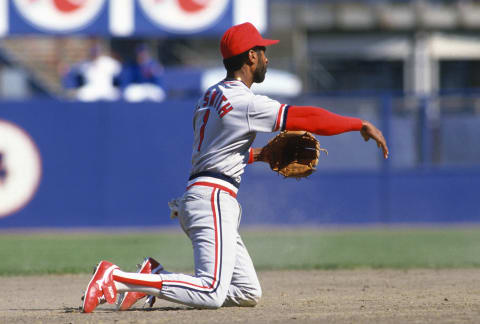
point(257, 295)
point(253, 297)
point(244, 297)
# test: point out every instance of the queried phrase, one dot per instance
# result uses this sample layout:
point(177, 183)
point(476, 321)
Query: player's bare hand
point(369, 131)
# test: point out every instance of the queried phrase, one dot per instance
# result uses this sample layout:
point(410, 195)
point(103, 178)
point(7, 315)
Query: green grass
point(24, 254)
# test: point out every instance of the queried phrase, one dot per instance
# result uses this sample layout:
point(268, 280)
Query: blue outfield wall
point(118, 164)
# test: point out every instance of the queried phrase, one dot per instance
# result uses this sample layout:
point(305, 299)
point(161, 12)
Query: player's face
point(261, 69)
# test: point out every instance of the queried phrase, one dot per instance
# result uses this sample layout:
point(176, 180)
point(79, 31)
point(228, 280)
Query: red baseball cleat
point(100, 287)
point(126, 300)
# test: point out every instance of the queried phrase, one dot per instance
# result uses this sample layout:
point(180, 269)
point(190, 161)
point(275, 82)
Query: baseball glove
point(293, 154)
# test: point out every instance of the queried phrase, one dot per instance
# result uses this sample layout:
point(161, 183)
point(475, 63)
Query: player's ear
point(252, 57)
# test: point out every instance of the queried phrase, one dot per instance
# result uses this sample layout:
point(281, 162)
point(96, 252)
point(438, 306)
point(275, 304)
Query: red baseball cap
point(240, 38)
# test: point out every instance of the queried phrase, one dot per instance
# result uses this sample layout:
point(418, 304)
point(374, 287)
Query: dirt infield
point(356, 296)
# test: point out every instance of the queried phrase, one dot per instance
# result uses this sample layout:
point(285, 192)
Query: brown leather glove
point(293, 154)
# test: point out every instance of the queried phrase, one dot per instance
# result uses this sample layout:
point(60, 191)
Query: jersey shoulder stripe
point(281, 118)
point(285, 115)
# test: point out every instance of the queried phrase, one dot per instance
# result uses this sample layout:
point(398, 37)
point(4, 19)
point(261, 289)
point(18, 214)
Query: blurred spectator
point(95, 78)
point(142, 78)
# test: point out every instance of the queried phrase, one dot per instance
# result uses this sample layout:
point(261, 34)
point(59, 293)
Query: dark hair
point(236, 62)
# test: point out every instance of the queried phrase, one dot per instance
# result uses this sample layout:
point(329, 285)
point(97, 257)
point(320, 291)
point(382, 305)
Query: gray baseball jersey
point(225, 123)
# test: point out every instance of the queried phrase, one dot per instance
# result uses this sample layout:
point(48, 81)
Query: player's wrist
point(256, 155)
point(365, 124)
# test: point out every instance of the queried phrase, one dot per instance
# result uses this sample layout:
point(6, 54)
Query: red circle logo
point(68, 6)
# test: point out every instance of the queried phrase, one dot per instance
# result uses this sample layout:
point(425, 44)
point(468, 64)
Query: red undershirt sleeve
point(320, 121)
point(250, 156)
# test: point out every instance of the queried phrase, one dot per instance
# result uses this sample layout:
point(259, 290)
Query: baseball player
point(225, 122)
